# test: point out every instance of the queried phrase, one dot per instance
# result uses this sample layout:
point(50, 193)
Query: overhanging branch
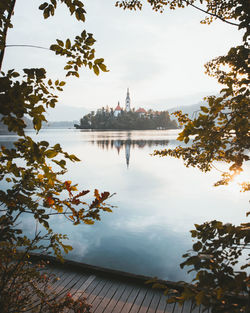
point(206, 12)
point(27, 46)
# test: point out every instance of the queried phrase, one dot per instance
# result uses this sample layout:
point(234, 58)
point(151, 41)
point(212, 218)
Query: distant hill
point(4, 128)
point(50, 124)
point(191, 110)
point(60, 124)
point(65, 113)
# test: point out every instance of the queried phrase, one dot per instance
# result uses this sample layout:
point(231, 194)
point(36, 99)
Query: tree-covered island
point(119, 118)
point(106, 119)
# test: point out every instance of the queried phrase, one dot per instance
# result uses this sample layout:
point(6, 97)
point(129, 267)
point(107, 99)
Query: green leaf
point(103, 67)
point(46, 13)
point(51, 153)
point(68, 44)
point(186, 140)
point(43, 6)
point(60, 42)
point(15, 74)
point(197, 246)
point(96, 69)
point(107, 209)
point(98, 61)
point(53, 2)
point(204, 109)
point(67, 67)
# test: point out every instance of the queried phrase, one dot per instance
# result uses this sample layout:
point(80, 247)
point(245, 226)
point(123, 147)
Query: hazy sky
point(160, 57)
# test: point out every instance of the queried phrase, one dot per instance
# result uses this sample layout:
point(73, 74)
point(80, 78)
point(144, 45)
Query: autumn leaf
point(50, 201)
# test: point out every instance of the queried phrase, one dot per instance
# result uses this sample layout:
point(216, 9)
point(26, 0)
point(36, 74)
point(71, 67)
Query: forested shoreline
point(106, 119)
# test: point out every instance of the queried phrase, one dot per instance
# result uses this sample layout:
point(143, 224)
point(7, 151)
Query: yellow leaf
point(96, 193)
point(89, 222)
point(59, 208)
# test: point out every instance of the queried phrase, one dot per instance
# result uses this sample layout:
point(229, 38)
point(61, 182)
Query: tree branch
point(204, 11)
point(212, 14)
point(5, 30)
point(27, 46)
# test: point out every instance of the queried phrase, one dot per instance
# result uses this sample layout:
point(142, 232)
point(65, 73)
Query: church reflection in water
point(128, 144)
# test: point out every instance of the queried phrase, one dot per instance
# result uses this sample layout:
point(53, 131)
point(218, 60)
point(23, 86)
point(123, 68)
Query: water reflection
point(128, 144)
point(157, 200)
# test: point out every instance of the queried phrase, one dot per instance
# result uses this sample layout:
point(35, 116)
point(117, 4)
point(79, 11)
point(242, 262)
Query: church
point(118, 109)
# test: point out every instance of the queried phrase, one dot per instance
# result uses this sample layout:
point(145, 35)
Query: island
point(126, 119)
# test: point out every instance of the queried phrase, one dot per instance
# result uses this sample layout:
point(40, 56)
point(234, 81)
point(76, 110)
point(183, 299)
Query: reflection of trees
point(120, 143)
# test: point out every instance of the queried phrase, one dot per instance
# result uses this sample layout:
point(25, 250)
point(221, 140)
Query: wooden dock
point(111, 291)
point(112, 295)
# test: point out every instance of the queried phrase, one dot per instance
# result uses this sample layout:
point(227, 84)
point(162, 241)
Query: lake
point(158, 200)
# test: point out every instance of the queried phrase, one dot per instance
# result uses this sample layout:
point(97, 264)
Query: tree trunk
point(6, 26)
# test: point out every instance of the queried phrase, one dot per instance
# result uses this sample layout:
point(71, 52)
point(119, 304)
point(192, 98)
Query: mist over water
point(158, 200)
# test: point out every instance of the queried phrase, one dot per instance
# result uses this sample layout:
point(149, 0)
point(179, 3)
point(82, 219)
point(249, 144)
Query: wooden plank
point(84, 286)
point(103, 304)
point(133, 295)
point(61, 278)
point(169, 308)
point(162, 304)
point(52, 288)
point(79, 285)
point(178, 308)
point(109, 308)
point(208, 310)
point(147, 301)
point(75, 285)
point(91, 287)
point(194, 308)
point(139, 299)
point(73, 291)
point(96, 291)
point(155, 302)
point(66, 285)
point(187, 307)
point(120, 297)
point(121, 302)
point(65, 280)
point(87, 283)
point(99, 298)
point(48, 272)
point(81, 279)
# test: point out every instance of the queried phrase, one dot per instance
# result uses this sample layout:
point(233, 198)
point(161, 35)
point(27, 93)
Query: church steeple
point(127, 103)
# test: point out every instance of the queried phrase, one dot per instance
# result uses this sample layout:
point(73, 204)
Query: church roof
point(141, 110)
point(118, 108)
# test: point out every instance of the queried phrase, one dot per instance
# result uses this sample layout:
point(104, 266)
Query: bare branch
point(27, 46)
point(212, 14)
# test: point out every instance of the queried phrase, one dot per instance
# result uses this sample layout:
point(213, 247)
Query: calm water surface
point(157, 200)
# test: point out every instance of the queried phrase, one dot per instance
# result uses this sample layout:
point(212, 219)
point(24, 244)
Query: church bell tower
point(127, 103)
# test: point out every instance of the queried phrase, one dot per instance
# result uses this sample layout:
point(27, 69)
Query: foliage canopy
point(31, 173)
point(220, 133)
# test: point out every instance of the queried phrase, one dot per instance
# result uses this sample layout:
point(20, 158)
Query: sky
point(159, 57)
